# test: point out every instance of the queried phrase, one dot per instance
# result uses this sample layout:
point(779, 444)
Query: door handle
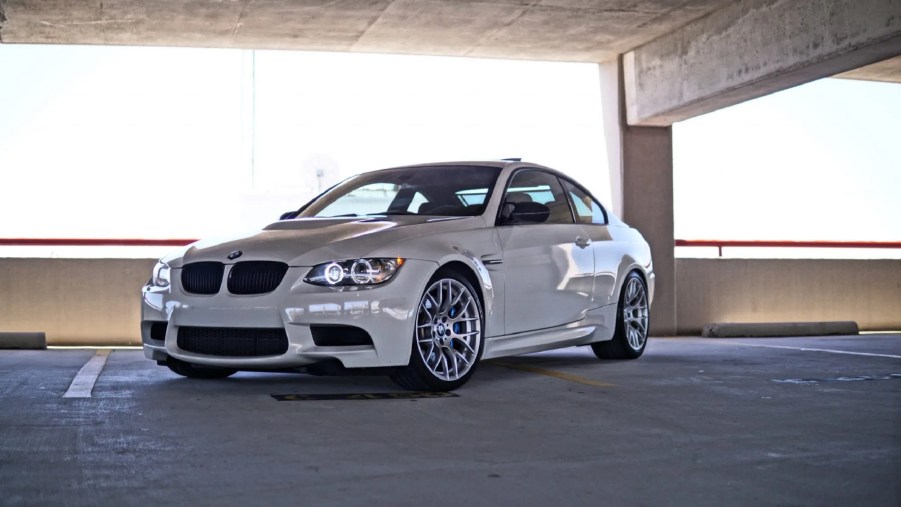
point(582, 242)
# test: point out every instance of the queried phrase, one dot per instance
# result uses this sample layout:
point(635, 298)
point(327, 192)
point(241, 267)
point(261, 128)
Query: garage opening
point(162, 143)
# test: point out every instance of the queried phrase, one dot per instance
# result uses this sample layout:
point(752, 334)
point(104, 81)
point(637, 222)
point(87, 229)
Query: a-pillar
point(641, 179)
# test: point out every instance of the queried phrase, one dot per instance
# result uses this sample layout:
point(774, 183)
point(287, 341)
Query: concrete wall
point(96, 301)
point(788, 290)
point(74, 301)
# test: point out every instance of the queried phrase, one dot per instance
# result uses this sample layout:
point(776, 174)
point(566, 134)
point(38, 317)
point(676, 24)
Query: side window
point(540, 187)
point(417, 201)
point(588, 211)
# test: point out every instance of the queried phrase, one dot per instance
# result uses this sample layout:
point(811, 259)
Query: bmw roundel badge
point(234, 255)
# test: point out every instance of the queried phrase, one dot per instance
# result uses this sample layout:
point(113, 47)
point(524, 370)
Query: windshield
point(432, 190)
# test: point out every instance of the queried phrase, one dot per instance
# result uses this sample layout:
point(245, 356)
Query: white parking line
point(83, 383)
point(807, 349)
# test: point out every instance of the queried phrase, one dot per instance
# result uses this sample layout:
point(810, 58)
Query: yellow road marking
point(553, 373)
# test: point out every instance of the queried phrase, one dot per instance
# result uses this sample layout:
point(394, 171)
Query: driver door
point(549, 266)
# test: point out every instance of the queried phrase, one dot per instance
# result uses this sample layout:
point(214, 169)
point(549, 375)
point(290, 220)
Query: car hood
point(310, 241)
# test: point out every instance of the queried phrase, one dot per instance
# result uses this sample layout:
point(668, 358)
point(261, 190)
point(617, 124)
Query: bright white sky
point(820, 161)
point(158, 142)
point(173, 143)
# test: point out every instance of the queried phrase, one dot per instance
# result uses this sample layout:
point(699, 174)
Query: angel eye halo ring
point(361, 272)
point(334, 273)
point(354, 272)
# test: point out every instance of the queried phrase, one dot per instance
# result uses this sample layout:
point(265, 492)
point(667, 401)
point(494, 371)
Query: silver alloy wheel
point(448, 329)
point(635, 313)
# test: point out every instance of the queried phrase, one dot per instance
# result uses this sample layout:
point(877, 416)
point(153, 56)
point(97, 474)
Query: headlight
point(354, 272)
point(160, 277)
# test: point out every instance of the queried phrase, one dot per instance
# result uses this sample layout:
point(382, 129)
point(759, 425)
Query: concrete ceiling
point(566, 30)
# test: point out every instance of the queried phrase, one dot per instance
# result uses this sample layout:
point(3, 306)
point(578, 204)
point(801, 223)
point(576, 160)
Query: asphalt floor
point(695, 421)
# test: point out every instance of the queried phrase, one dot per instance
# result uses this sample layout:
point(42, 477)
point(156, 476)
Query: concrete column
point(641, 179)
point(648, 206)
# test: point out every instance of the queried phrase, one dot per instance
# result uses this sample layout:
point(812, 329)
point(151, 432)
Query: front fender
point(468, 249)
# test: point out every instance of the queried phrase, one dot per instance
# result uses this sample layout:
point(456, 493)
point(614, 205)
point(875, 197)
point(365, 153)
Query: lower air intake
point(339, 336)
point(158, 330)
point(233, 341)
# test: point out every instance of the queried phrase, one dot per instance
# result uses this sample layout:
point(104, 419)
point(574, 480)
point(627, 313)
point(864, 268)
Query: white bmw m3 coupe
point(416, 272)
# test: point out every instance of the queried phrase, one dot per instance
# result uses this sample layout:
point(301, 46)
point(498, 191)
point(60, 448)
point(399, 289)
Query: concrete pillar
point(648, 206)
point(641, 179)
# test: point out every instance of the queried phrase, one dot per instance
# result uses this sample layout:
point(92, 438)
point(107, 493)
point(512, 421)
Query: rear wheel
point(189, 370)
point(632, 319)
point(447, 341)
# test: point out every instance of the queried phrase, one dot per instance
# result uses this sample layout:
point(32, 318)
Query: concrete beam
point(2, 17)
point(752, 48)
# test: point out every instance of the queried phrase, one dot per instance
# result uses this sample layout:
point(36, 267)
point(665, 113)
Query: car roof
point(512, 164)
point(468, 163)
point(500, 164)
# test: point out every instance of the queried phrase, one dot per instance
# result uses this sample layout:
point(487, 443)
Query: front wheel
point(632, 318)
point(447, 341)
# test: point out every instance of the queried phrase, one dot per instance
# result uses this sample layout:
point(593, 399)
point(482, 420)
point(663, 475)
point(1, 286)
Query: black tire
point(195, 371)
point(627, 323)
point(418, 375)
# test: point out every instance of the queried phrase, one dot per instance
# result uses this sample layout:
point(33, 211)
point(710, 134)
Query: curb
point(779, 329)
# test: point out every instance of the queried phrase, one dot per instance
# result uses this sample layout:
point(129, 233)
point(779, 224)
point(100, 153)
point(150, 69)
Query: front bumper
point(386, 312)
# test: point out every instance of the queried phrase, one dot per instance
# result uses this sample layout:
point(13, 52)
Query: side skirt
point(597, 326)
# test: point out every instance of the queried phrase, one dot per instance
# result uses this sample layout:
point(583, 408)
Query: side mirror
point(288, 215)
point(524, 213)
